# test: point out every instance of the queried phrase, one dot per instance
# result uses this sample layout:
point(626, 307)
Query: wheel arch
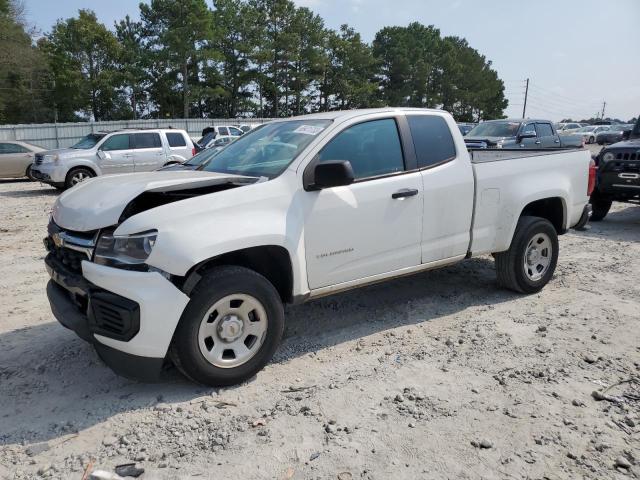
point(271, 261)
point(553, 209)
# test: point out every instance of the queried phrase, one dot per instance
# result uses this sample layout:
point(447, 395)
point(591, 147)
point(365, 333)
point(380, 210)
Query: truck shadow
point(620, 225)
point(38, 190)
point(52, 384)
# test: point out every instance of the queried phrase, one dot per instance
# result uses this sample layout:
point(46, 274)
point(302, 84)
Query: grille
point(627, 156)
point(71, 259)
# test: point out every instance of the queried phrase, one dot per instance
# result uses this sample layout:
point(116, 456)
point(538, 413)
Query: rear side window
point(176, 139)
point(432, 139)
point(544, 130)
point(12, 148)
point(223, 130)
point(116, 142)
point(147, 140)
point(373, 148)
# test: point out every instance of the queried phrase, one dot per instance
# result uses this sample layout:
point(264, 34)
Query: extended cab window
point(373, 148)
point(176, 139)
point(432, 139)
point(116, 142)
point(147, 140)
point(544, 130)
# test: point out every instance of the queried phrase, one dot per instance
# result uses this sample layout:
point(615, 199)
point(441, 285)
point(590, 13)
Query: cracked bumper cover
point(160, 305)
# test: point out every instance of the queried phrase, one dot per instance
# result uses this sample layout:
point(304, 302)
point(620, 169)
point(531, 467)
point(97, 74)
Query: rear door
point(447, 180)
point(546, 136)
point(372, 226)
point(119, 155)
point(178, 145)
point(148, 152)
point(14, 159)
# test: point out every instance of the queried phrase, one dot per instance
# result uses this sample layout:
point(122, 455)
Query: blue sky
point(577, 53)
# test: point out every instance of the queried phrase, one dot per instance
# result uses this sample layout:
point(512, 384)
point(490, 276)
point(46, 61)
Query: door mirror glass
point(332, 173)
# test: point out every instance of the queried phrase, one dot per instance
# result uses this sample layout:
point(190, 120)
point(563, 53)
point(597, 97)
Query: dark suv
point(618, 174)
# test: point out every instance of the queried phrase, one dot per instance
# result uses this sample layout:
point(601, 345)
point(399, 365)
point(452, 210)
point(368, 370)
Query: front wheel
point(230, 329)
point(591, 140)
point(529, 263)
point(77, 175)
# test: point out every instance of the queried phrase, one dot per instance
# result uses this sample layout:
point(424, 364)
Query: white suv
point(121, 151)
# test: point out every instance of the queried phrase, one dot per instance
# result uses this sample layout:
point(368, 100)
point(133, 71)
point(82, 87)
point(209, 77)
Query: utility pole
point(526, 94)
point(604, 104)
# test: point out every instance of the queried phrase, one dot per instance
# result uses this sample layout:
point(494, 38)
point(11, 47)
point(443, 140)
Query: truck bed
point(506, 181)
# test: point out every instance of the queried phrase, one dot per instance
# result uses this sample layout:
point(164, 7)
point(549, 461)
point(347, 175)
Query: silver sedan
point(16, 158)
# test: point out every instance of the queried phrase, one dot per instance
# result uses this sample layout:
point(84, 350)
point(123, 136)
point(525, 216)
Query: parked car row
point(519, 133)
point(121, 151)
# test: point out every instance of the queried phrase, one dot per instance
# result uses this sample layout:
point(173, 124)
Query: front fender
point(83, 162)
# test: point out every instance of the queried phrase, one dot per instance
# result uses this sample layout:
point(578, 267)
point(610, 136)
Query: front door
point(533, 142)
point(149, 154)
point(372, 226)
point(118, 156)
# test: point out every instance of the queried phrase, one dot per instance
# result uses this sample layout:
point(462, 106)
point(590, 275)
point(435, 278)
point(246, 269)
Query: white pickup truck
point(194, 267)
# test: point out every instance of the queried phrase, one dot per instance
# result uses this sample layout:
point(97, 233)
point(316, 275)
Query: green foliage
point(240, 57)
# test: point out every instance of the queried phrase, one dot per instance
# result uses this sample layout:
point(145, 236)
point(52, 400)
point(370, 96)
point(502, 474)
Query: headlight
point(608, 156)
point(50, 158)
point(125, 250)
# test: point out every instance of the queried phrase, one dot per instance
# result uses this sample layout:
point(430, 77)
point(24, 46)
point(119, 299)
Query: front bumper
point(129, 317)
point(50, 173)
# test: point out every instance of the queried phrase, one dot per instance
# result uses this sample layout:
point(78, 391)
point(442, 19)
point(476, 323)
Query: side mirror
point(332, 173)
point(524, 135)
point(104, 155)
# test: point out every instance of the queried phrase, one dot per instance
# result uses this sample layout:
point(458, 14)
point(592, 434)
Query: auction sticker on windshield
point(308, 129)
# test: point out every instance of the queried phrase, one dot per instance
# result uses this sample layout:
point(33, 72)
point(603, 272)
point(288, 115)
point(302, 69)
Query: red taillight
point(193, 151)
point(592, 177)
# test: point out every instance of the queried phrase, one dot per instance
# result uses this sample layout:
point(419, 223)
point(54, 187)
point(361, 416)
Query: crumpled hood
point(99, 202)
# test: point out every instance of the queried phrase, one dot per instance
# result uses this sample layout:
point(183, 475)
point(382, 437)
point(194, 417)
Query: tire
point(28, 174)
point(77, 175)
point(200, 331)
point(518, 268)
point(600, 206)
point(591, 140)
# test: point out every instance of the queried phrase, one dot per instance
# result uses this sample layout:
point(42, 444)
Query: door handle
point(556, 140)
point(404, 193)
point(538, 142)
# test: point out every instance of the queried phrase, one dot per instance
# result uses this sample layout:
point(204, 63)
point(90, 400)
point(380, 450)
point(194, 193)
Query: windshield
point(495, 129)
point(89, 141)
point(267, 151)
point(204, 156)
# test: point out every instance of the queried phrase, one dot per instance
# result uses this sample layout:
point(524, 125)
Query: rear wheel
point(600, 206)
point(230, 329)
point(78, 175)
point(529, 263)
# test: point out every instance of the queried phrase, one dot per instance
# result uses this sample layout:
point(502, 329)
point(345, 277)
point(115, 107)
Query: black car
point(615, 134)
point(618, 174)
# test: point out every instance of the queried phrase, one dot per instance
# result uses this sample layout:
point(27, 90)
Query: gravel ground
point(439, 375)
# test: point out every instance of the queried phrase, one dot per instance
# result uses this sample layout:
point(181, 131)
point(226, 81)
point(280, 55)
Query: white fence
point(60, 135)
